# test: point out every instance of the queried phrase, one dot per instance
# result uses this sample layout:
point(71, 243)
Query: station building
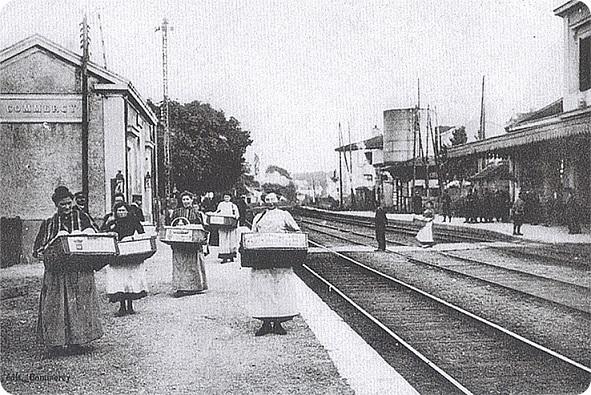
point(387, 166)
point(358, 163)
point(41, 136)
point(549, 150)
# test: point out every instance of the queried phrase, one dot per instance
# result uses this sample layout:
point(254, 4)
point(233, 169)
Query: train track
point(565, 255)
point(560, 292)
point(401, 227)
point(467, 351)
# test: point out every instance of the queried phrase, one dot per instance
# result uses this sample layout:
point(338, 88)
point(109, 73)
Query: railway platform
point(203, 343)
point(537, 233)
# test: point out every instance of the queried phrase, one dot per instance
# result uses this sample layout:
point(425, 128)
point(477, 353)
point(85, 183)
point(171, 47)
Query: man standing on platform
point(517, 213)
point(381, 222)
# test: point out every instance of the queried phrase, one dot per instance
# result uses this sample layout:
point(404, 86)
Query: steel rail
point(471, 260)
point(410, 258)
point(423, 358)
point(462, 311)
point(461, 258)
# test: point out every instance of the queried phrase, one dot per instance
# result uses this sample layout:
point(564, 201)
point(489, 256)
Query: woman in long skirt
point(68, 305)
point(188, 269)
point(228, 237)
point(125, 283)
point(425, 235)
point(272, 291)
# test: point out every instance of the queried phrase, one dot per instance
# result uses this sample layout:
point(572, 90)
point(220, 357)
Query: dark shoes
point(278, 329)
point(264, 330)
point(267, 328)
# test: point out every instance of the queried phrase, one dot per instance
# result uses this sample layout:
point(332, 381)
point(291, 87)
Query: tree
point(206, 149)
point(287, 190)
point(459, 136)
point(456, 168)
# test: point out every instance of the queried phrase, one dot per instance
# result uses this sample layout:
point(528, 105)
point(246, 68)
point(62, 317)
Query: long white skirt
point(272, 293)
point(425, 235)
point(228, 243)
point(126, 282)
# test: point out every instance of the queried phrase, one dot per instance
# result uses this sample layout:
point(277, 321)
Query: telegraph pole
point(84, 43)
point(164, 28)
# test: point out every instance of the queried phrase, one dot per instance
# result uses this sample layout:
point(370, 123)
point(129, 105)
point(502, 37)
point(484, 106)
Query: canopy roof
point(376, 142)
point(494, 171)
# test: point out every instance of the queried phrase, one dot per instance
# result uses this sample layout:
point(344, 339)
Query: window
point(369, 157)
point(585, 63)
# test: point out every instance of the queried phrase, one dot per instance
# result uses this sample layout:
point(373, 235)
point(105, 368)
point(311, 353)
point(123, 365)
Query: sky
point(290, 71)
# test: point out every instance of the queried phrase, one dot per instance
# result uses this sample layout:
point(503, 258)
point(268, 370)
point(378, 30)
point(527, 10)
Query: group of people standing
point(69, 307)
point(486, 206)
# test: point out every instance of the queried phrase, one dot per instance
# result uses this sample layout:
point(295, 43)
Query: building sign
point(40, 108)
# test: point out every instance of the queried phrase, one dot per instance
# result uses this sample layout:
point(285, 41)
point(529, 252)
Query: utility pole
point(427, 177)
point(102, 41)
point(84, 43)
point(353, 204)
point(164, 28)
point(415, 126)
point(340, 169)
point(481, 129)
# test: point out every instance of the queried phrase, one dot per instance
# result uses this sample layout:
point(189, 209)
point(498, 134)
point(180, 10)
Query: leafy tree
point(206, 149)
point(459, 136)
point(246, 181)
point(460, 168)
point(288, 191)
point(280, 170)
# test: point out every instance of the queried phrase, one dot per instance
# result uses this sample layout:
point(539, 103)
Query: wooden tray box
point(81, 252)
point(273, 250)
point(221, 221)
point(135, 251)
point(191, 234)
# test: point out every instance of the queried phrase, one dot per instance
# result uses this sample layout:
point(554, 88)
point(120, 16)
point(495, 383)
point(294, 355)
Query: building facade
point(41, 135)
point(549, 150)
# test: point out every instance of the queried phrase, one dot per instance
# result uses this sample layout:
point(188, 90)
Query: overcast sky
point(290, 71)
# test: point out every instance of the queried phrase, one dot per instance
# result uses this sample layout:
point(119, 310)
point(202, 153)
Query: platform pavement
point(358, 363)
point(538, 233)
point(218, 334)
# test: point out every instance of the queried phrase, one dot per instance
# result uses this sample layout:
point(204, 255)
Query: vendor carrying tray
point(273, 250)
point(221, 221)
point(80, 253)
point(186, 234)
point(135, 250)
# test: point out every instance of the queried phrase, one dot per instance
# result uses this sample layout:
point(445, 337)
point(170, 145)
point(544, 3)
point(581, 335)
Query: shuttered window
point(584, 63)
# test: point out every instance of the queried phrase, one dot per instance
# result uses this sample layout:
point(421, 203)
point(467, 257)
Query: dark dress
point(68, 304)
point(381, 222)
point(573, 213)
point(188, 268)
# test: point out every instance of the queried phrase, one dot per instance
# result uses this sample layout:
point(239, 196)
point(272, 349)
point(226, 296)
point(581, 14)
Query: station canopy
point(376, 142)
point(494, 171)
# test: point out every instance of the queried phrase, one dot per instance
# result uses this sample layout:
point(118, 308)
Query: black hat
point(186, 193)
point(60, 193)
